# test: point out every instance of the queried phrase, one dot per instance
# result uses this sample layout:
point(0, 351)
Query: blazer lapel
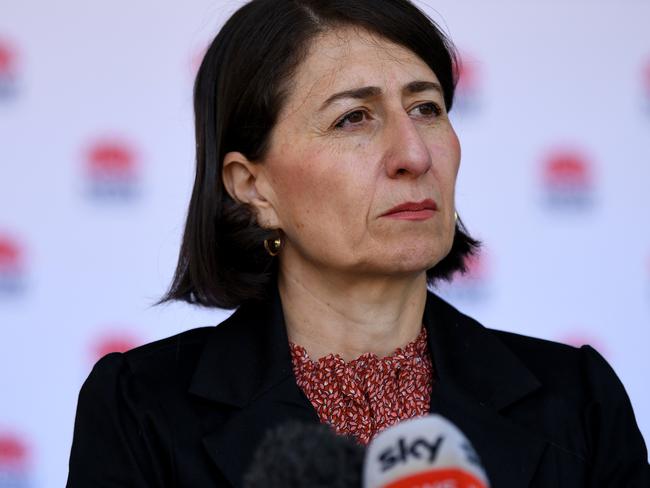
point(246, 367)
point(476, 378)
point(232, 446)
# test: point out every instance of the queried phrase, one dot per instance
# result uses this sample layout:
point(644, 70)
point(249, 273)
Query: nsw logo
point(580, 336)
point(196, 58)
point(567, 180)
point(112, 171)
point(116, 340)
point(468, 97)
point(12, 267)
point(471, 286)
point(647, 269)
point(8, 71)
point(14, 462)
point(645, 85)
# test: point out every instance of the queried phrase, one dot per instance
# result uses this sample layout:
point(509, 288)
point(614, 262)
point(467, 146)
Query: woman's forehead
point(350, 58)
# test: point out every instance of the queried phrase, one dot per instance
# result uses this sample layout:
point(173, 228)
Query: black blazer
point(189, 410)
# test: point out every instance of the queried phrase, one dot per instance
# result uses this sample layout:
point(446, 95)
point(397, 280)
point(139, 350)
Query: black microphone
point(299, 455)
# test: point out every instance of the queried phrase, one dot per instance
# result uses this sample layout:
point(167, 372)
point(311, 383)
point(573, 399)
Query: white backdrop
point(96, 166)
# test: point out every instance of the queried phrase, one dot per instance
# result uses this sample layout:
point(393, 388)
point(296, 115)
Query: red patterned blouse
point(367, 394)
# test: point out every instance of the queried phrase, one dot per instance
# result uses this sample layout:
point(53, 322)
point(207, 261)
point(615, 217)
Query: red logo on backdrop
point(14, 461)
point(112, 170)
point(476, 268)
point(467, 98)
point(8, 70)
point(196, 59)
point(579, 337)
point(12, 273)
point(568, 179)
point(646, 84)
point(113, 341)
point(471, 286)
point(648, 274)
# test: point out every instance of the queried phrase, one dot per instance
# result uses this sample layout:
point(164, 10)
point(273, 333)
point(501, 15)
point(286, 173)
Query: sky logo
point(8, 71)
point(12, 271)
point(112, 172)
point(567, 181)
point(14, 465)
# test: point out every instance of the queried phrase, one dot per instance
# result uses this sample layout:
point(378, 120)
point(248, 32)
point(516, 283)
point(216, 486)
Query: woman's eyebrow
point(420, 86)
point(366, 92)
point(355, 93)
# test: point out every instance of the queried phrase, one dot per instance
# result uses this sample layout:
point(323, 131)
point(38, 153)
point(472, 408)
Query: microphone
point(299, 455)
point(424, 452)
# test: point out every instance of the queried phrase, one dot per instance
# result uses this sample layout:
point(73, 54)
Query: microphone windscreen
point(302, 455)
point(423, 452)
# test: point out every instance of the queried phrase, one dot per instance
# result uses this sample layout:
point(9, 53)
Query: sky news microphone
point(298, 455)
point(423, 452)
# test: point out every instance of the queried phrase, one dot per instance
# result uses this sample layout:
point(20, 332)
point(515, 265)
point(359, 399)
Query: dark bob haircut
point(241, 86)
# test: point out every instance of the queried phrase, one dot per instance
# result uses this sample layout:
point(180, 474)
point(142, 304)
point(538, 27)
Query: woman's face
point(364, 129)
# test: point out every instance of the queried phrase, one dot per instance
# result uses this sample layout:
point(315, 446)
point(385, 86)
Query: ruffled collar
point(365, 395)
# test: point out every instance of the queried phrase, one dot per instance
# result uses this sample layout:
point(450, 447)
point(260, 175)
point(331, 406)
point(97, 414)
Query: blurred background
point(96, 168)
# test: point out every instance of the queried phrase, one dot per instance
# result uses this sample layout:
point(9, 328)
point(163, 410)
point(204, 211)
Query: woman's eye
point(352, 118)
point(429, 109)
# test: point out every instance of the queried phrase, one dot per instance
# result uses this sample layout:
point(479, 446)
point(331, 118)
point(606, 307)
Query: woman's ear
point(241, 180)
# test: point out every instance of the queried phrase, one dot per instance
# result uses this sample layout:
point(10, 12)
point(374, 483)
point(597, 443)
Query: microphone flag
point(424, 452)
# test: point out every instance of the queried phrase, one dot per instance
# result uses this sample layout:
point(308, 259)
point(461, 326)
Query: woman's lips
point(413, 210)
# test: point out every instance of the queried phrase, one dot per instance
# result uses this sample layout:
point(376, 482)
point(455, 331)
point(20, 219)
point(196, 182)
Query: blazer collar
point(245, 355)
point(477, 378)
point(473, 359)
point(246, 364)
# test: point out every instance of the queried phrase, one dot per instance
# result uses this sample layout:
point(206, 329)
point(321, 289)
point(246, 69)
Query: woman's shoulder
point(565, 373)
point(581, 393)
point(163, 366)
point(155, 367)
point(184, 346)
point(555, 363)
point(548, 360)
point(172, 350)
point(132, 408)
point(542, 354)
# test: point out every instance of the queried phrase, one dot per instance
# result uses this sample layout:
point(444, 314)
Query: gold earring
point(273, 246)
point(456, 216)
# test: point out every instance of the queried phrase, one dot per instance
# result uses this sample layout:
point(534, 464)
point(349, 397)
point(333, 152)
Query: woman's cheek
point(455, 149)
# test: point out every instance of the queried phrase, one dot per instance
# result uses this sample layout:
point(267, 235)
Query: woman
point(323, 205)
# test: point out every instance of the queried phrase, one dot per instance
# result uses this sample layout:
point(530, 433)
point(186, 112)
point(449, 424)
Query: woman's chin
point(410, 263)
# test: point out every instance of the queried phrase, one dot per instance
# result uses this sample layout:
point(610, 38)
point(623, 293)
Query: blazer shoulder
point(169, 350)
point(160, 367)
point(580, 375)
point(534, 351)
point(122, 429)
point(540, 356)
point(617, 451)
point(577, 370)
point(169, 360)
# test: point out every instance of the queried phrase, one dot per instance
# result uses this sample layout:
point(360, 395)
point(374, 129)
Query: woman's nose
point(406, 153)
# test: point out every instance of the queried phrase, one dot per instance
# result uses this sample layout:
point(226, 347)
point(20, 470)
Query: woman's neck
point(350, 316)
